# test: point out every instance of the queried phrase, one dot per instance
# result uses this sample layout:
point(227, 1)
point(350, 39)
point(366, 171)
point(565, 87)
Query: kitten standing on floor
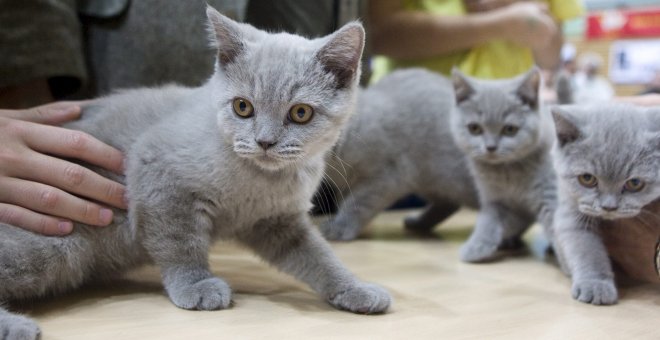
point(398, 142)
point(415, 132)
point(607, 159)
point(506, 136)
point(237, 158)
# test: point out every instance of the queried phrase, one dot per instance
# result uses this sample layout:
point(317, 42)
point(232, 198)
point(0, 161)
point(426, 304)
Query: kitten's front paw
point(17, 327)
point(473, 251)
point(596, 292)
point(363, 298)
point(337, 231)
point(208, 294)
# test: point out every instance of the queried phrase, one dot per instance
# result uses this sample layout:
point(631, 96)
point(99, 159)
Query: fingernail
point(65, 227)
point(105, 215)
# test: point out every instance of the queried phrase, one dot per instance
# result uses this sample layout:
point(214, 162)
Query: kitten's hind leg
point(433, 214)
point(359, 208)
point(292, 244)
point(17, 327)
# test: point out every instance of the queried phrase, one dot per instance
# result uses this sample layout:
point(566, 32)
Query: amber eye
point(588, 180)
point(509, 130)
point(475, 129)
point(243, 108)
point(634, 185)
point(301, 113)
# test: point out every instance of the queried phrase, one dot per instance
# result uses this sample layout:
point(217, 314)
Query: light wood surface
point(435, 296)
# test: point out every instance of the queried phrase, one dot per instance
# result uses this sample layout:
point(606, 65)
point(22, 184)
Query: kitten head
point(607, 157)
point(497, 121)
point(282, 98)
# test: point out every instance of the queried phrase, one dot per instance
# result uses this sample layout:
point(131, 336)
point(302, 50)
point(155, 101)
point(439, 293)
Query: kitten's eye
point(243, 108)
point(634, 185)
point(588, 180)
point(301, 113)
point(509, 130)
point(475, 129)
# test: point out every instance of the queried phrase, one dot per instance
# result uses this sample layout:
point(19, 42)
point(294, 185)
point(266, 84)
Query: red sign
point(624, 24)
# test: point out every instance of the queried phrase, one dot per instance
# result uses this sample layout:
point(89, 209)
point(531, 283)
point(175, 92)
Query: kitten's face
point(608, 158)
point(496, 121)
point(282, 98)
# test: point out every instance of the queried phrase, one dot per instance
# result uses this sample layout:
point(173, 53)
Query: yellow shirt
point(495, 59)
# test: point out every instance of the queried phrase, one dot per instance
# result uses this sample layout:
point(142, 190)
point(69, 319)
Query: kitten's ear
point(226, 34)
point(342, 52)
point(565, 128)
point(530, 88)
point(462, 87)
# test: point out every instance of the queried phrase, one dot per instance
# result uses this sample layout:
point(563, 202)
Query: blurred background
point(624, 35)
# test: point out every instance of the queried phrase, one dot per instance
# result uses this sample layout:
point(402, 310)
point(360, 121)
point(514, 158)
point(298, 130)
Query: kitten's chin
point(269, 163)
point(492, 158)
point(609, 215)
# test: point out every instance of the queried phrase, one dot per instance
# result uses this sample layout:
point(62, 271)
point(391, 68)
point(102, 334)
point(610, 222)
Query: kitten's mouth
point(491, 158)
point(609, 215)
point(271, 161)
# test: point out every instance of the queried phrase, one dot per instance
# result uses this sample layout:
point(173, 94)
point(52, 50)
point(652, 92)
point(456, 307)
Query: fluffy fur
point(196, 172)
point(399, 142)
point(506, 137)
point(600, 155)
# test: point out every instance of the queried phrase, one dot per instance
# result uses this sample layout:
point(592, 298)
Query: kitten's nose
point(491, 148)
point(265, 144)
point(609, 203)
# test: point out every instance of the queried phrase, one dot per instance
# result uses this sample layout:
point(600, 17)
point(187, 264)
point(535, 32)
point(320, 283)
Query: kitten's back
point(119, 119)
point(403, 120)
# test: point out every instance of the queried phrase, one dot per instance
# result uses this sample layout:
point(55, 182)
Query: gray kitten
point(607, 159)
point(506, 136)
point(237, 158)
point(399, 142)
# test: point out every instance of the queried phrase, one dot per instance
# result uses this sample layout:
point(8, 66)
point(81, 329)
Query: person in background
point(589, 85)
point(483, 38)
point(653, 86)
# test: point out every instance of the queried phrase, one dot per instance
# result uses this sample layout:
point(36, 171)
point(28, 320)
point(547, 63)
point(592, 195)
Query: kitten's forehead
point(283, 69)
point(613, 143)
point(495, 102)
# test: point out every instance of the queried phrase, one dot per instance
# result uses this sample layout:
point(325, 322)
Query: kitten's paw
point(474, 252)
point(208, 294)
point(337, 231)
point(17, 327)
point(363, 298)
point(596, 292)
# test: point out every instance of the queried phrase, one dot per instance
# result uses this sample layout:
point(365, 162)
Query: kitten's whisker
point(341, 161)
point(333, 191)
point(650, 213)
point(348, 185)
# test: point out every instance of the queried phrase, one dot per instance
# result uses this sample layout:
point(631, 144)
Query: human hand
point(43, 193)
point(529, 23)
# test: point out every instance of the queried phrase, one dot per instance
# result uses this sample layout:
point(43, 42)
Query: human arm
point(403, 34)
point(40, 191)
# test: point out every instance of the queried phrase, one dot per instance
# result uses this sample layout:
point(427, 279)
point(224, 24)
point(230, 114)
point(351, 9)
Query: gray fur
point(196, 173)
point(614, 143)
point(399, 142)
point(513, 172)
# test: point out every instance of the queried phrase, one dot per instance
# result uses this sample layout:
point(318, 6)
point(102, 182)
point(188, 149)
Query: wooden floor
point(435, 296)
